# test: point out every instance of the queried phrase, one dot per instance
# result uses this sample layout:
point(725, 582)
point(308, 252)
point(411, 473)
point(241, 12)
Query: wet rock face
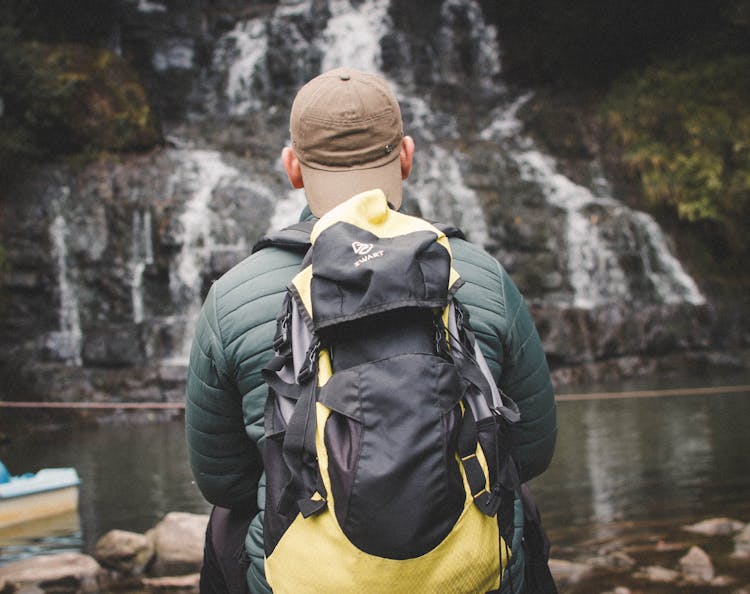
point(107, 267)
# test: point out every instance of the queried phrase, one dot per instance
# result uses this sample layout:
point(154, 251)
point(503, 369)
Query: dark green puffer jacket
point(226, 394)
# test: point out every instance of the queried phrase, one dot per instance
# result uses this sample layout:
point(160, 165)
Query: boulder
point(615, 561)
point(178, 543)
point(25, 590)
point(569, 572)
point(715, 527)
point(696, 566)
point(742, 544)
point(658, 574)
point(128, 552)
point(65, 572)
point(184, 584)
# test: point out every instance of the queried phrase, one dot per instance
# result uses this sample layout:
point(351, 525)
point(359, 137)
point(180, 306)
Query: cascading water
point(664, 271)
point(142, 255)
point(66, 343)
point(352, 37)
point(244, 48)
point(198, 175)
point(594, 269)
point(440, 178)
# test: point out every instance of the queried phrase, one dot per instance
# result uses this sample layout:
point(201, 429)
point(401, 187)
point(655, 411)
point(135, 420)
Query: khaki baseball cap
point(346, 131)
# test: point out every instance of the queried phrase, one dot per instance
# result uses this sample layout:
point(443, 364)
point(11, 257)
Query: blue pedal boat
point(48, 492)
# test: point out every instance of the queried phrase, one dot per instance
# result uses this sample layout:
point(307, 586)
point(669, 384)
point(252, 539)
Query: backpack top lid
point(367, 258)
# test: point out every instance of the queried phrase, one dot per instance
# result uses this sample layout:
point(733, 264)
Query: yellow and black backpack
point(385, 451)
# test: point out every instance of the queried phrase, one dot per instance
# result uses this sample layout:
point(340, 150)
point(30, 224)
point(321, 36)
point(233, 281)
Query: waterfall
point(664, 271)
point(352, 36)
point(244, 49)
point(594, 269)
point(592, 256)
point(142, 254)
point(198, 175)
point(593, 264)
point(173, 54)
point(288, 210)
point(148, 6)
point(67, 341)
point(442, 178)
point(483, 38)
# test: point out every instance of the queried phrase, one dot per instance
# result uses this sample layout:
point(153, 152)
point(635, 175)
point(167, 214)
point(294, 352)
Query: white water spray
point(65, 343)
point(199, 174)
point(352, 36)
point(593, 266)
point(443, 195)
point(244, 48)
point(142, 254)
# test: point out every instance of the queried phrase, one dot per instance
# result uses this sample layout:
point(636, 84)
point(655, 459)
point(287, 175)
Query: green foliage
point(68, 98)
point(684, 126)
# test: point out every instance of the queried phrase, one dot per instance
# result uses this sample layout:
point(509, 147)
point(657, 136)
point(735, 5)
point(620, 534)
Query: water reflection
point(131, 476)
point(668, 459)
point(41, 537)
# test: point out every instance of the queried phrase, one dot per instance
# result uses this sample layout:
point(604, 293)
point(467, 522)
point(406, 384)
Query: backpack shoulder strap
point(295, 238)
point(450, 230)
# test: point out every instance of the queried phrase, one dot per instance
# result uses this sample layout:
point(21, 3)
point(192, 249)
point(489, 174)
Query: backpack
point(386, 439)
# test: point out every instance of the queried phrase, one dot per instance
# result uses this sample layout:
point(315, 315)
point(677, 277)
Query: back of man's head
point(347, 132)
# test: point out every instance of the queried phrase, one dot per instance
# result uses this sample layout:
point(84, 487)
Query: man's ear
point(407, 156)
point(292, 168)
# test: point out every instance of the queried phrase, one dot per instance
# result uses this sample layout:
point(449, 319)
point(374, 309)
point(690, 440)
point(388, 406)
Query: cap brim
point(326, 189)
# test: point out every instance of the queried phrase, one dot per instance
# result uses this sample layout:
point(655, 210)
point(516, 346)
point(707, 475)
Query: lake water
point(624, 465)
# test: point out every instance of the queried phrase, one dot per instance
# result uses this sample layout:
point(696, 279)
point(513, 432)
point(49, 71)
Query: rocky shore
point(167, 558)
point(710, 556)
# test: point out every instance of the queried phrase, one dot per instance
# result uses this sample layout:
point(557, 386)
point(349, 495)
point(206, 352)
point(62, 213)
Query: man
point(347, 137)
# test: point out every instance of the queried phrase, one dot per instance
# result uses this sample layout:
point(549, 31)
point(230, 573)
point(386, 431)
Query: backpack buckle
point(282, 333)
point(311, 363)
point(507, 412)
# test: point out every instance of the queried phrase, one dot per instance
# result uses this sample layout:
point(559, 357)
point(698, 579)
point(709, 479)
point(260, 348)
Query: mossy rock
point(76, 98)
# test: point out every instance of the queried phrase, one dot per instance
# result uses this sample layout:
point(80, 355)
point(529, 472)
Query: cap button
point(344, 76)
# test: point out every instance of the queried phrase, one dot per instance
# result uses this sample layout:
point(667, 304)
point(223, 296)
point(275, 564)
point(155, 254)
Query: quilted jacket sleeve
point(510, 343)
point(225, 391)
point(225, 463)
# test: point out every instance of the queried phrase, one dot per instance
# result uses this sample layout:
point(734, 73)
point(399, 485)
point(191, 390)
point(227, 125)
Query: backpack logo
point(362, 249)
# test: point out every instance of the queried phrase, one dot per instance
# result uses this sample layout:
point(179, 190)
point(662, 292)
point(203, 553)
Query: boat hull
point(33, 506)
point(49, 492)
